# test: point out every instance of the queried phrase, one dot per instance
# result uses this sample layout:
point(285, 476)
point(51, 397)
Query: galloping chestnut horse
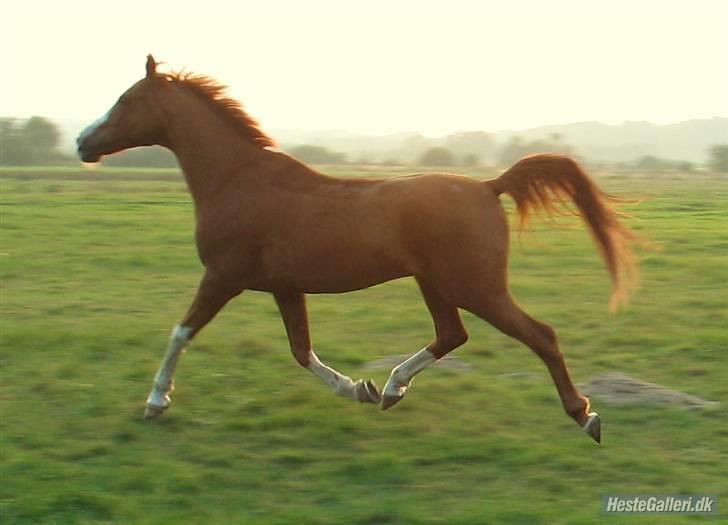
point(267, 222)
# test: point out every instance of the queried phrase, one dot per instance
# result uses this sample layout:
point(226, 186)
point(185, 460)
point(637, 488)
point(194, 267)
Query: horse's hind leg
point(293, 310)
point(504, 314)
point(450, 334)
point(212, 294)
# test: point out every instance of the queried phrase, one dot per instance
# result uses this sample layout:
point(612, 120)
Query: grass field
point(97, 267)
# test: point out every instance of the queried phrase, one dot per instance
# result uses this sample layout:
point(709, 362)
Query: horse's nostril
point(88, 156)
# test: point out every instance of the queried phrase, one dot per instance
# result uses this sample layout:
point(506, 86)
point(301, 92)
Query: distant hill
point(687, 140)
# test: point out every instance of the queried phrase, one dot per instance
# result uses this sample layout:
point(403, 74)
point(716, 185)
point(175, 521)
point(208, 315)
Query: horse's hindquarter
point(453, 224)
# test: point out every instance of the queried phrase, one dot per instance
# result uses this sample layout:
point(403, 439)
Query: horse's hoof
point(152, 411)
point(593, 427)
point(390, 401)
point(367, 392)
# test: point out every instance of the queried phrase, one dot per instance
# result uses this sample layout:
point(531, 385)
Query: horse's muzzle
point(87, 156)
point(86, 152)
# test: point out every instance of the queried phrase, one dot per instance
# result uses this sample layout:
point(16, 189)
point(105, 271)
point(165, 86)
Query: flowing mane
point(228, 108)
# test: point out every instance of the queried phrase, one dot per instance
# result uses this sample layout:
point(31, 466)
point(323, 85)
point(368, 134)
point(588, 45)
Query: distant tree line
point(463, 151)
point(517, 148)
point(717, 162)
point(28, 142)
point(718, 155)
point(35, 141)
point(316, 155)
point(650, 163)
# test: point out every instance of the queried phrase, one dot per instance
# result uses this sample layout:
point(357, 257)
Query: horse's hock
point(619, 389)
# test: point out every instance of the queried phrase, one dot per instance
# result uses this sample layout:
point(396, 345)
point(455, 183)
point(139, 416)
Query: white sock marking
point(159, 396)
point(341, 384)
point(402, 374)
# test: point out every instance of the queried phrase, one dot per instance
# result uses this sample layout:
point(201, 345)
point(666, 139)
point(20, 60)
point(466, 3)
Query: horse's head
point(135, 120)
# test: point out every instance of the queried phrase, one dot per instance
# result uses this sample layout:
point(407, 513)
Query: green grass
point(97, 267)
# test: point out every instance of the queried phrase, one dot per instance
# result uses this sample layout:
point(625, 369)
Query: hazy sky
point(380, 66)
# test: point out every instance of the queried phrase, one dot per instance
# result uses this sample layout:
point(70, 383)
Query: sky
point(380, 67)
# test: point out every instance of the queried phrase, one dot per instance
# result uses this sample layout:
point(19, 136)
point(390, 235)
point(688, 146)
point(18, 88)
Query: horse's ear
point(151, 66)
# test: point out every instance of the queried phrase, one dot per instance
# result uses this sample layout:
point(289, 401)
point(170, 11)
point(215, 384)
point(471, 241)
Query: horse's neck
point(208, 150)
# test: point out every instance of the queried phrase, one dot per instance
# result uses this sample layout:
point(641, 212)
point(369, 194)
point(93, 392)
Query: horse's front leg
point(212, 294)
point(293, 310)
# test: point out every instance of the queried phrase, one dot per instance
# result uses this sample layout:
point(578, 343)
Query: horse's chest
point(222, 247)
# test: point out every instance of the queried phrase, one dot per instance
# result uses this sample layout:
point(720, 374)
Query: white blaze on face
point(91, 128)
